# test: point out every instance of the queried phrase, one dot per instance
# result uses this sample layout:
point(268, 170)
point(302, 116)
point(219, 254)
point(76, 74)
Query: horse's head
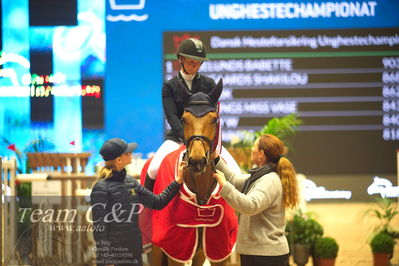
point(200, 120)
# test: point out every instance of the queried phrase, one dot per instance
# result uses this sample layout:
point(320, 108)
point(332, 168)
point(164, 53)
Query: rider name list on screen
point(336, 80)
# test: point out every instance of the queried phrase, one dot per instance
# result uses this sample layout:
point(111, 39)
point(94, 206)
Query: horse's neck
point(204, 183)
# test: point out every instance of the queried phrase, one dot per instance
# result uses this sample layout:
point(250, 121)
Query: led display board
point(344, 85)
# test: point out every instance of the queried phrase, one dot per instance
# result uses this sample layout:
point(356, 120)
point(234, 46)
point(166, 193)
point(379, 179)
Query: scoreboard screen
point(343, 84)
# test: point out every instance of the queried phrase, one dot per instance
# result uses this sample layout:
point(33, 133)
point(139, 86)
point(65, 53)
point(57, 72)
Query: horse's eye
point(215, 120)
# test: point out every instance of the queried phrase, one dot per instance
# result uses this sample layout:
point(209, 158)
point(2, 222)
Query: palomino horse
point(197, 224)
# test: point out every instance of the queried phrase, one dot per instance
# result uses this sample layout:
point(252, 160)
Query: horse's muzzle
point(197, 166)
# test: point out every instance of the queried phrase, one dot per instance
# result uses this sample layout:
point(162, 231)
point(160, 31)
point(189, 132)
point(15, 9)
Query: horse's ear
point(216, 91)
point(185, 93)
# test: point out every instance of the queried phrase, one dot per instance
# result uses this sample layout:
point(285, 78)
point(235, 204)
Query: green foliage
point(303, 229)
point(24, 189)
point(326, 248)
point(382, 243)
point(385, 212)
point(282, 127)
point(40, 144)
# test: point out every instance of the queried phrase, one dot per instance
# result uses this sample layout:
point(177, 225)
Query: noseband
point(203, 140)
point(200, 104)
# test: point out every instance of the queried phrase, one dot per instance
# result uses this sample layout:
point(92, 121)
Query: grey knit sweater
point(262, 214)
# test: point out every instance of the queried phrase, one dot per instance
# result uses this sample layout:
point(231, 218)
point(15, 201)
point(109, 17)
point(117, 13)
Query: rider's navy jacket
point(116, 202)
point(173, 100)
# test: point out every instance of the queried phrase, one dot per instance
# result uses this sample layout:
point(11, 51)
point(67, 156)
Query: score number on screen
point(390, 94)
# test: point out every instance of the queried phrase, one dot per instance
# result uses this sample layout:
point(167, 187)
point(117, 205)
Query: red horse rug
point(175, 228)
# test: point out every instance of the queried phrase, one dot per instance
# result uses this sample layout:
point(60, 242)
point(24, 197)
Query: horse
point(197, 224)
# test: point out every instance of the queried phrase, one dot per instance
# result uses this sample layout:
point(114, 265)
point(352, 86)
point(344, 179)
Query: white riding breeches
point(169, 146)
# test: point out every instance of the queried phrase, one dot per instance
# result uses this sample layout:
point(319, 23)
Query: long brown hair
point(274, 150)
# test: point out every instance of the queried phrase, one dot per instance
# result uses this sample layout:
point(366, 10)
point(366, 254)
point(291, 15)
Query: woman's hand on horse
point(220, 178)
point(180, 173)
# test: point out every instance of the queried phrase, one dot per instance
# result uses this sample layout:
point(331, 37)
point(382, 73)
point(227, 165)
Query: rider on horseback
point(191, 54)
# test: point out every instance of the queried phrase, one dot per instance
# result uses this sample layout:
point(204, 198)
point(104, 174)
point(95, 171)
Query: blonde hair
point(105, 172)
point(274, 150)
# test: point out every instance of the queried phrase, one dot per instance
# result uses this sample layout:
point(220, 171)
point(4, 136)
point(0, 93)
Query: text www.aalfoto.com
point(76, 228)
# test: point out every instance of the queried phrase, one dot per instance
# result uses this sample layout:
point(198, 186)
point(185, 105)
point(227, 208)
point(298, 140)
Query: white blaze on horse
point(197, 223)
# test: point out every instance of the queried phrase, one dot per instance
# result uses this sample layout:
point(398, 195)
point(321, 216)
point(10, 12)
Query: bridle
point(200, 104)
point(208, 162)
point(203, 140)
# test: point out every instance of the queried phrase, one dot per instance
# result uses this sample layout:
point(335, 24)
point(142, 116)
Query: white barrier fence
point(8, 219)
point(52, 190)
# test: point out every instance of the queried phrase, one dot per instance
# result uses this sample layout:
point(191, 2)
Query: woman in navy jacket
point(116, 200)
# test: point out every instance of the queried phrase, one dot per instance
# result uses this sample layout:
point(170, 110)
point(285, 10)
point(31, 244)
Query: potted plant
point(385, 212)
point(383, 235)
point(325, 251)
point(382, 245)
point(282, 127)
point(302, 232)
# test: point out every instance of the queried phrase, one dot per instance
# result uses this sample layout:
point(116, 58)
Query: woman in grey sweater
point(261, 199)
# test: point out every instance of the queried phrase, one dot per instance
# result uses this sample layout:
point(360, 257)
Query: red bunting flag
point(11, 147)
point(72, 142)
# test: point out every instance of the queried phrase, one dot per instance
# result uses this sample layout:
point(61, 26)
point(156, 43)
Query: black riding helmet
point(192, 48)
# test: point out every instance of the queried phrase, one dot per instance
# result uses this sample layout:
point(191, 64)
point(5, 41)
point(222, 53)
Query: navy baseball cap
point(113, 148)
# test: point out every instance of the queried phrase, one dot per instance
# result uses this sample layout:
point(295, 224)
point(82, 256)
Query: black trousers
point(252, 260)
